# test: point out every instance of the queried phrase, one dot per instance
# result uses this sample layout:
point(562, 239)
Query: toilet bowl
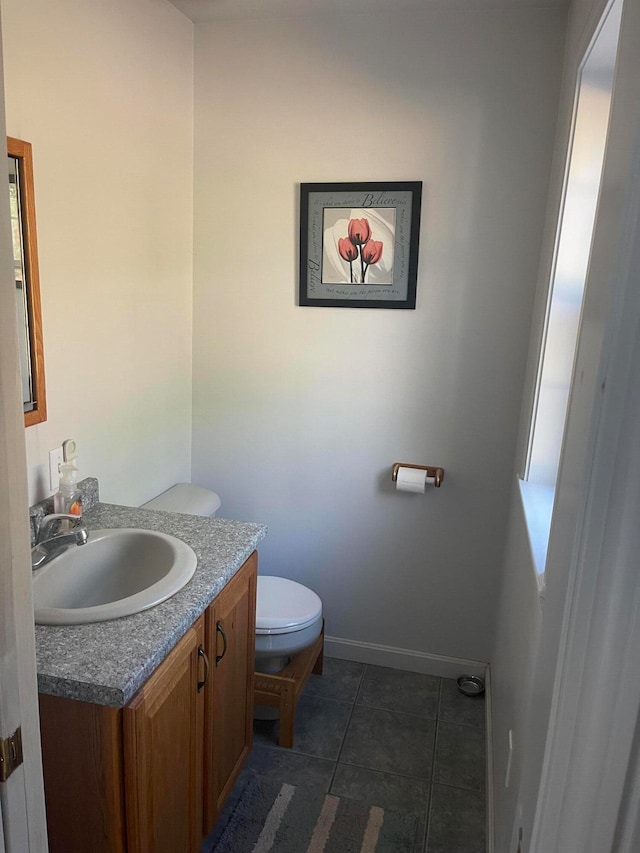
point(288, 619)
point(288, 614)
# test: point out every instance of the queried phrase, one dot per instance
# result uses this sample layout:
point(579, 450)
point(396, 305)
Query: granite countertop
point(107, 662)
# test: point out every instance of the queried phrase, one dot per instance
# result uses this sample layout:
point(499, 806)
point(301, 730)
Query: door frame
point(22, 809)
point(585, 798)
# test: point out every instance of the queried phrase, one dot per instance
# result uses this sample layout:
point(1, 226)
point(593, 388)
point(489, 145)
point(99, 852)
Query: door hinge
point(10, 754)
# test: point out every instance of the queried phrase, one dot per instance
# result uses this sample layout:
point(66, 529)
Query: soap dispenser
point(68, 498)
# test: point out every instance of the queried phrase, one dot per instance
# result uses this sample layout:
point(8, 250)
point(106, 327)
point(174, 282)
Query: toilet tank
point(184, 497)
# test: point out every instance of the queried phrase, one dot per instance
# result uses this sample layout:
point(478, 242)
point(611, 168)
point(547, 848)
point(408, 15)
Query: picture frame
point(359, 244)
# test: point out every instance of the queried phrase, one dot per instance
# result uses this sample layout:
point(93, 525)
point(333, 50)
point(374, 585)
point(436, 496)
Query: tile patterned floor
point(407, 742)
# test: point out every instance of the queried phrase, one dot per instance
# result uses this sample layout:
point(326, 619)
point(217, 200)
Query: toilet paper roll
point(413, 480)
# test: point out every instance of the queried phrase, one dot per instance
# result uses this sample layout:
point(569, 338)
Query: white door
point(2, 847)
point(588, 800)
point(21, 796)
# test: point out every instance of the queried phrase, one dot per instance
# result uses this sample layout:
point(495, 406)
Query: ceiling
point(220, 10)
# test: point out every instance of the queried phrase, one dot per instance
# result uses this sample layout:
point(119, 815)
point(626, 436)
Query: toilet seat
point(284, 606)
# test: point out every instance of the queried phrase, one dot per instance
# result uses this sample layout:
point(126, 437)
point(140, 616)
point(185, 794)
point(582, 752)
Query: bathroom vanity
point(146, 721)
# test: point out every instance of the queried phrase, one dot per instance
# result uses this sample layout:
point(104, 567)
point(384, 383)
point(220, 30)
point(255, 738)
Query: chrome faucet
point(50, 545)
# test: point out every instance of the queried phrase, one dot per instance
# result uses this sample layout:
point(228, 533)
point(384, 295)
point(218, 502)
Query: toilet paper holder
point(436, 473)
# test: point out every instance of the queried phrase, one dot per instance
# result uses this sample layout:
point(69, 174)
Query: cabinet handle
point(220, 630)
point(202, 654)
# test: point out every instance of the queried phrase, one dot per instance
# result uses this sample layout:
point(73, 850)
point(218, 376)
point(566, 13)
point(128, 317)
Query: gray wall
point(299, 413)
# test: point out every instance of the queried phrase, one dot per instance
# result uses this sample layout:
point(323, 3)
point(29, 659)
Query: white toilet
point(288, 619)
point(183, 497)
point(288, 614)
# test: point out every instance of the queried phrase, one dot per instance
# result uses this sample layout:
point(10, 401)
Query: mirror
point(25, 262)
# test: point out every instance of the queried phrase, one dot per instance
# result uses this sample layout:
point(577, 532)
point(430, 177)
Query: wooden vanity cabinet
point(163, 729)
point(230, 644)
point(82, 756)
point(153, 776)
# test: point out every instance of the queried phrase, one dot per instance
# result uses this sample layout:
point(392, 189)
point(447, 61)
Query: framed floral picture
point(359, 244)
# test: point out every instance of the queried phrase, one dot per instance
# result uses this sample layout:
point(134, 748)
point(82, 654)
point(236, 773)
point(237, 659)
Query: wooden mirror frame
point(21, 151)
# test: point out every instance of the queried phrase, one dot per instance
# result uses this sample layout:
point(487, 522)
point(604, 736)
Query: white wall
point(104, 92)
point(299, 413)
point(528, 629)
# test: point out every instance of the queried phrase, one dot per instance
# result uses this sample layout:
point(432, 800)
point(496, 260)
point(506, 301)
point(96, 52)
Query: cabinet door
point(163, 746)
point(230, 645)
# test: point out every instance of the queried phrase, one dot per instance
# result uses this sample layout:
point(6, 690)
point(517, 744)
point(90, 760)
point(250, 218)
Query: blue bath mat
point(272, 817)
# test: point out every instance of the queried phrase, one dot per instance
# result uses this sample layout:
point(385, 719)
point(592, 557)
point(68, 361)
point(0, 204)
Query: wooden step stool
point(282, 689)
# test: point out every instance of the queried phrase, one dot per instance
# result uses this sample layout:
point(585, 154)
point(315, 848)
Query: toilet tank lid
point(186, 498)
point(282, 603)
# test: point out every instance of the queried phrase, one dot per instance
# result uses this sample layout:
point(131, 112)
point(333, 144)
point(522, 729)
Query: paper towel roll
point(413, 480)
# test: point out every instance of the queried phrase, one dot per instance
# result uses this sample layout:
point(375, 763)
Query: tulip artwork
point(358, 244)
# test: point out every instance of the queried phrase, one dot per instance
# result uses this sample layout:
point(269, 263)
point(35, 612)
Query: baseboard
point(444, 667)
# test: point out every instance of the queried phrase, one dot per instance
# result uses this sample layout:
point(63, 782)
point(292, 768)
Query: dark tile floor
point(400, 740)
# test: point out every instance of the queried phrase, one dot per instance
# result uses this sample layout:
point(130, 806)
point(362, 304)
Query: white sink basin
point(116, 573)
